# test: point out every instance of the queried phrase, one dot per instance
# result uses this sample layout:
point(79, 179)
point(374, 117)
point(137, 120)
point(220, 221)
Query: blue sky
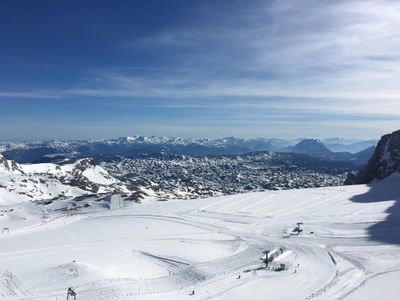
point(100, 69)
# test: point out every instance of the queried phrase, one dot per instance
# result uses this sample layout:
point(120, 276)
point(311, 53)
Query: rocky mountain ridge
point(23, 182)
point(384, 162)
point(136, 146)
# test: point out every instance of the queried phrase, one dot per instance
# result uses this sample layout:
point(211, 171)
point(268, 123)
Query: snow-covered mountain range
point(167, 176)
point(140, 167)
point(136, 146)
point(338, 242)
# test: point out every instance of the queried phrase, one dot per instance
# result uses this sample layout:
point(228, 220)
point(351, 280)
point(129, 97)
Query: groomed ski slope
point(349, 249)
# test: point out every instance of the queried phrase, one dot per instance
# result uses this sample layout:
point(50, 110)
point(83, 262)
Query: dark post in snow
point(71, 292)
point(266, 259)
point(298, 229)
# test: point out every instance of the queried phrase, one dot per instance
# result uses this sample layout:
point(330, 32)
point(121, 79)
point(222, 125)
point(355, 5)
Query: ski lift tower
point(266, 259)
point(71, 293)
point(298, 229)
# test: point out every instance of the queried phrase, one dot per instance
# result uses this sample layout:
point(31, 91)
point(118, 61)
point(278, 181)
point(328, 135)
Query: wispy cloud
point(304, 48)
point(309, 57)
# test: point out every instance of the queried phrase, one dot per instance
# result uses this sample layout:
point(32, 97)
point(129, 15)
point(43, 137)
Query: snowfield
point(208, 248)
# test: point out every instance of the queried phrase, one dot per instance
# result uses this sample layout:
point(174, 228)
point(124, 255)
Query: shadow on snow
point(388, 230)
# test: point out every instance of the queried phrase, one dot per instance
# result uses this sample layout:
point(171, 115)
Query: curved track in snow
point(211, 246)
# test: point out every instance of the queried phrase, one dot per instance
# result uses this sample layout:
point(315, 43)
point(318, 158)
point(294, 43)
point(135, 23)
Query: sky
point(102, 69)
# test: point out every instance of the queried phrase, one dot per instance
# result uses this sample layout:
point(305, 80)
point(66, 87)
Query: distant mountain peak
point(311, 146)
point(131, 138)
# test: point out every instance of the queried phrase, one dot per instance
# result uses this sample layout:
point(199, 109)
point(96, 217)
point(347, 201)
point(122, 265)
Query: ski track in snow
point(165, 250)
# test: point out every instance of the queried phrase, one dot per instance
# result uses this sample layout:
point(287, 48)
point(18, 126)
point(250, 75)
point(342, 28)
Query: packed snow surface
point(209, 248)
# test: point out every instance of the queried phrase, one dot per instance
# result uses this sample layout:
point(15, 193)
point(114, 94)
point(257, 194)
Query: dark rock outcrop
point(9, 165)
point(384, 162)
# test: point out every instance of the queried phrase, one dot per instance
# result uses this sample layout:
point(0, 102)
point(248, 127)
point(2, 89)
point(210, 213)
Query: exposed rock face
point(9, 166)
point(384, 162)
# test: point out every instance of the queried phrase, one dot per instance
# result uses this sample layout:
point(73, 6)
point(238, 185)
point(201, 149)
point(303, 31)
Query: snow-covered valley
point(208, 248)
